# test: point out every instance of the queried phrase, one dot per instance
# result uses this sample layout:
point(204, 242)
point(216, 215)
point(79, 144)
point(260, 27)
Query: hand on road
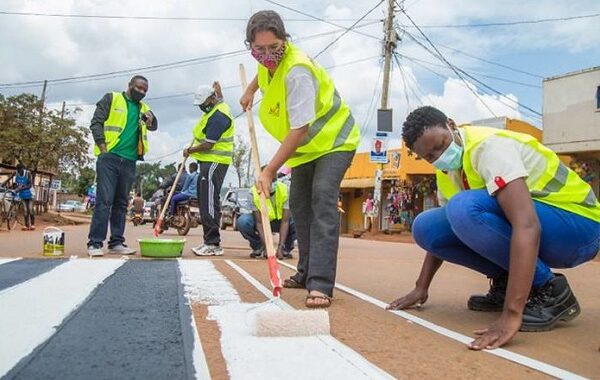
point(416, 297)
point(246, 100)
point(497, 334)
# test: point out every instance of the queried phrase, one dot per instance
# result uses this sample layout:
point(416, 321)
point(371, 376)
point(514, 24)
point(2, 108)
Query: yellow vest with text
point(222, 151)
point(281, 196)
point(332, 130)
point(558, 185)
point(116, 121)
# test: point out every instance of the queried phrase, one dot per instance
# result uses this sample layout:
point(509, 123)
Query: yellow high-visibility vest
point(333, 129)
point(116, 121)
point(281, 196)
point(558, 185)
point(222, 150)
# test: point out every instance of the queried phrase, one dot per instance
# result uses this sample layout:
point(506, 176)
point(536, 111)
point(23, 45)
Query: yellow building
point(404, 172)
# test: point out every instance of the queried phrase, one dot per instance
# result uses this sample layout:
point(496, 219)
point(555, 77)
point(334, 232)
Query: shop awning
point(358, 183)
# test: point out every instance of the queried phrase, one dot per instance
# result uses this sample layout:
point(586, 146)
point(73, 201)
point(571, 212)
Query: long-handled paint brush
point(159, 221)
point(274, 274)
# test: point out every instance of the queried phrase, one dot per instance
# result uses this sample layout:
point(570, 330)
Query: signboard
point(379, 148)
point(56, 183)
point(384, 120)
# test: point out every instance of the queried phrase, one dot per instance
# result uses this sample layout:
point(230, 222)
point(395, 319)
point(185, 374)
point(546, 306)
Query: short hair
point(193, 167)
point(265, 21)
point(138, 194)
point(419, 120)
point(136, 77)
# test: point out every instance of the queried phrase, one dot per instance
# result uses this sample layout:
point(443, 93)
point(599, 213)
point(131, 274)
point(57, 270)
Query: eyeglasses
point(265, 49)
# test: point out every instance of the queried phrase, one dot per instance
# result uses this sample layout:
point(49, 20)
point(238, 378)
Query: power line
point(511, 23)
point(319, 18)
point(440, 56)
point(152, 68)
point(150, 18)
point(462, 52)
point(348, 30)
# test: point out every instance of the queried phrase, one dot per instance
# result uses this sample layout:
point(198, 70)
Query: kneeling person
point(250, 225)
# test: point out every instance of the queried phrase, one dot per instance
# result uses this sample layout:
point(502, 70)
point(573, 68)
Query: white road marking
point(328, 363)
point(32, 310)
point(500, 352)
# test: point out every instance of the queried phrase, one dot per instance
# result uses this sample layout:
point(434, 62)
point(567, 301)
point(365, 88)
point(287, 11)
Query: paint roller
point(286, 322)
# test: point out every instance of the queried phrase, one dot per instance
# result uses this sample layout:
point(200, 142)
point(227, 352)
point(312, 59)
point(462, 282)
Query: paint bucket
point(54, 241)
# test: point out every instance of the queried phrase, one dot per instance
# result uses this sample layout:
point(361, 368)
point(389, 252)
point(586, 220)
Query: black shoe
point(257, 253)
point(549, 304)
point(287, 255)
point(493, 300)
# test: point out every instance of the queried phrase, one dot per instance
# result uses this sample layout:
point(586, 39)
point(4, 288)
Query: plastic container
point(161, 247)
point(54, 241)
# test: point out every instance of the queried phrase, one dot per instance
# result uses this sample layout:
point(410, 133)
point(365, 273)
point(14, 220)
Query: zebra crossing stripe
point(32, 310)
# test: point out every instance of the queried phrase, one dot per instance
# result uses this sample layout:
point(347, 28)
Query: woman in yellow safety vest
point(511, 211)
point(301, 108)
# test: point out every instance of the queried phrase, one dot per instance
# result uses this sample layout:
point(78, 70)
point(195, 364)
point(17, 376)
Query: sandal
point(313, 297)
point(292, 284)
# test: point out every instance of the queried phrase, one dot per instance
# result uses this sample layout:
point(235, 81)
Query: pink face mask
point(270, 60)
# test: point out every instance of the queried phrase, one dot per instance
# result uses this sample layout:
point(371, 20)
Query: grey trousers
point(313, 201)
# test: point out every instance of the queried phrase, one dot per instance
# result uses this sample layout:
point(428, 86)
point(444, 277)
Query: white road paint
point(193, 280)
point(500, 352)
point(31, 311)
point(320, 356)
point(4, 261)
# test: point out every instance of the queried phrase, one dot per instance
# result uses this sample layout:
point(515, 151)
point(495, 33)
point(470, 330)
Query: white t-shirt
point(302, 89)
point(500, 160)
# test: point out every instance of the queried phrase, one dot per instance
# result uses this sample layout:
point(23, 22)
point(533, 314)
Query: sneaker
point(493, 300)
point(287, 255)
point(257, 253)
point(121, 249)
point(95, 251)
point(208, 250)
point(549, 304)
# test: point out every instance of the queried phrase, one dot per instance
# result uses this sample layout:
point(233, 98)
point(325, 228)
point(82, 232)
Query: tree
point(149, 176)
point(40, 138)
point(241, 157)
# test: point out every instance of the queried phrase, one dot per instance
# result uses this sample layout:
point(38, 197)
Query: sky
point(507, 59)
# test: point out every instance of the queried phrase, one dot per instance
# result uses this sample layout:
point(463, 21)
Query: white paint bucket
point(54, 241)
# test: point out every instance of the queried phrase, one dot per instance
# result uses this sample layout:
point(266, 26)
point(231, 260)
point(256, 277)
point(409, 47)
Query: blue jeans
point(179, 197)
point(115, 176)
point(247, 227)
point(472, 231)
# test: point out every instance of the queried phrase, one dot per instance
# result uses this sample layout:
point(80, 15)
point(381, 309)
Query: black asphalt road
point(18, 271)
point(134, 326)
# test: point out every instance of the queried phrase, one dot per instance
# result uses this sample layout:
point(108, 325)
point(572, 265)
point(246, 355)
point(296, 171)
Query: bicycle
point(16, 211)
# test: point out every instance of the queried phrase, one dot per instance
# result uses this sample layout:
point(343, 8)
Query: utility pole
point(389, 45)
point(43, 96)
point(62, 112)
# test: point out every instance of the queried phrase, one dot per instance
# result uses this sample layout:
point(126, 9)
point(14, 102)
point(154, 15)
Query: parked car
point(71, 206)
point(235, 203)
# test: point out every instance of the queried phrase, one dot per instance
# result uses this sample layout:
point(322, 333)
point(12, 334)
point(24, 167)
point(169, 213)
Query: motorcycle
point(137, 219)
point(187, 215)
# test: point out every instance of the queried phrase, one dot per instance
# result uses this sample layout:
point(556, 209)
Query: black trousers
point(210, 182)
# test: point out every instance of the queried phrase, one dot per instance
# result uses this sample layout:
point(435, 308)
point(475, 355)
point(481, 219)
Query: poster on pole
point(379, 148)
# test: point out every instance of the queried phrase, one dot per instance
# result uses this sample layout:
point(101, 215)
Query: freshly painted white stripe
point(8, 260)
point(345, 353)
point(31, 311)
point(500, 352)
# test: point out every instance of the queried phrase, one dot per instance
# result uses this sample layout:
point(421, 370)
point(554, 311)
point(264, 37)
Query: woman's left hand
point(498, 333)
point(263, 184)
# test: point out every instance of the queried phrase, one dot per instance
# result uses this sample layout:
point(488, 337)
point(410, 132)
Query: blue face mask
point(451, 159)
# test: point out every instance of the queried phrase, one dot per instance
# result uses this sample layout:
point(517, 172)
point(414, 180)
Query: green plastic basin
point(161, 247)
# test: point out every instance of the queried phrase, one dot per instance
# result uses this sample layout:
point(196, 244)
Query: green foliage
point(39, 137)
point(149, 176)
